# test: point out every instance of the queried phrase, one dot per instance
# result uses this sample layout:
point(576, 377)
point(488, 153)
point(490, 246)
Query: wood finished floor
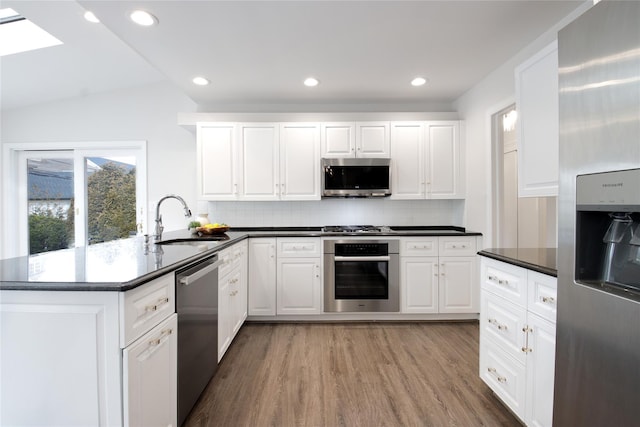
point(354, 374)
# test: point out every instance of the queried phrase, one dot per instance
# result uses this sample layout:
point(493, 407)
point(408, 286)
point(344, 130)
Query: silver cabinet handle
point(497, 324)
point(548, 300)
point(500, 378)
point(158, 340)
point(157, 305)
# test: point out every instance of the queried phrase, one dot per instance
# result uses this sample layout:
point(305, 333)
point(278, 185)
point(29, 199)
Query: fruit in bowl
point(215, 228)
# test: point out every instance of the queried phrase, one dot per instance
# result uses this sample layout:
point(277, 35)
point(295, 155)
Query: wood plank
point(351, 374)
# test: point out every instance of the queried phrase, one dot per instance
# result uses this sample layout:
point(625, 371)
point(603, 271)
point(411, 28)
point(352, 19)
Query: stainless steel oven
point(361, 275)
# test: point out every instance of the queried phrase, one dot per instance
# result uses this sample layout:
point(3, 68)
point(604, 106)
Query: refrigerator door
point(597, 379)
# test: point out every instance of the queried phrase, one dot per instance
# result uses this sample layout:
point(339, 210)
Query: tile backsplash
point(338, 212)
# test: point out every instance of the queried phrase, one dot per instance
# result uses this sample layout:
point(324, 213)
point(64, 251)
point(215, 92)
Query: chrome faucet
point(159, 227)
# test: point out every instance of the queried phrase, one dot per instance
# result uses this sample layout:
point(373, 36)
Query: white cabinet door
point(225, 315)
point(338, 140)
point(242, 301)
point(407, 146)
point(217, 164)
point(61, 348)
point(299, 286)
point(443, 169)
point(259, 158)
point(236, 310)
point(537, 125)
point(541, 345)
point(458, 288)
point(300, 161)
point(504, 375)
point(372, 139)
point(150, 375)
point(419, 284)
point(262, 277)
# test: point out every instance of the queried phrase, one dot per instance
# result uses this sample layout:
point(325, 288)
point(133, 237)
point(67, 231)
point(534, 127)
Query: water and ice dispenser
point(608, 232)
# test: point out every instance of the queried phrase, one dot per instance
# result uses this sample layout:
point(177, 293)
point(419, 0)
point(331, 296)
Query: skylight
point(18, 34)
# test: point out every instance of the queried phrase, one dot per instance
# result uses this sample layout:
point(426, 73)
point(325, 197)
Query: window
point(72, 197)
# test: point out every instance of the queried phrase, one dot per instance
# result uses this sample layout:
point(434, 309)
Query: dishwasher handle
point(187, 280)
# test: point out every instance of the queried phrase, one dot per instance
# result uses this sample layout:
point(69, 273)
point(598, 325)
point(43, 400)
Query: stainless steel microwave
point(356, 177)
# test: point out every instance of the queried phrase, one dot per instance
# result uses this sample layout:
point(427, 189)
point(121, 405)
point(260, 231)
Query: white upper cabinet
point(338, 140)
point(300, 161)
point(217, 166)
point(537, 124)
point(372, 139)
point(444, 173)
point(259, 160)
point(427, 160)
point(408, 160)
point(355, 139)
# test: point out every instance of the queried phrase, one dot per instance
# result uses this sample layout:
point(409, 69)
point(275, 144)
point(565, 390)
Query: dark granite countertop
point(124, 264)
point(542, 260)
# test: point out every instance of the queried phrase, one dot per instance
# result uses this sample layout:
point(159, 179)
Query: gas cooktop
point(355, 229)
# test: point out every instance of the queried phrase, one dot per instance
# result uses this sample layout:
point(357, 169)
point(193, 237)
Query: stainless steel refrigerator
point(597, 372)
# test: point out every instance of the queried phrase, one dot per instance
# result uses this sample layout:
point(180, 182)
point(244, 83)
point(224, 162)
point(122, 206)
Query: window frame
point(15, 240)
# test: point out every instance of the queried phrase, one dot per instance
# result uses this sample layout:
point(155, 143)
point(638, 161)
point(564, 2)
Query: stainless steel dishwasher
point(197, 308)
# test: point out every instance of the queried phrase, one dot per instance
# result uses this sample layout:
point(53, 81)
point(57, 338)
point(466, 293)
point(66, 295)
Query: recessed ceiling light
point(200, 81)
point(91, 17)
point(143, 18)
point(418, 81)
point(311, 82)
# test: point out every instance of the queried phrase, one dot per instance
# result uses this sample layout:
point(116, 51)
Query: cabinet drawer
point(542, 291)
point(298, 247)
point(505, 376)
point(457, 245)
point(146, 306)
point(227, 260)
point(419, 246)
point(502, 322)
point(504, 279)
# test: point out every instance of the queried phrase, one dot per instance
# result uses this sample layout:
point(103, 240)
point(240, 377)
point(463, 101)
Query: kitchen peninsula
point(93, 330)
point(518, 302)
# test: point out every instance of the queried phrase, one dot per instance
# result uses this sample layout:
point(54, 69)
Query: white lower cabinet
point(262, 277)
point(298, 277)
point(285, 276)
point(432, 283)
point(457, 291)
point(420, 279)
point(150, 377)
point(89, 357)
point(232, 294)
point(299, 288)
point(517, 338)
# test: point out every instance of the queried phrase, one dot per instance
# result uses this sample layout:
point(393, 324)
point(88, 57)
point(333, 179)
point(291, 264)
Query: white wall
point(475, 107)
point(145, 113)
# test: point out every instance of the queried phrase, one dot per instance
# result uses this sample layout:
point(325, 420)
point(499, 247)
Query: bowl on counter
point(215, 230)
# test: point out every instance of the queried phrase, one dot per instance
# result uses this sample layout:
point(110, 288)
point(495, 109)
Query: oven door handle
point(361, 258)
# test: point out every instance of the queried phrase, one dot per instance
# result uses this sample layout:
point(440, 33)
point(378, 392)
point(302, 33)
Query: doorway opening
point(517, 222)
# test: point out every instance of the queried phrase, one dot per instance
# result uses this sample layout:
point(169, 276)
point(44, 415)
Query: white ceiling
point(259, 52)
